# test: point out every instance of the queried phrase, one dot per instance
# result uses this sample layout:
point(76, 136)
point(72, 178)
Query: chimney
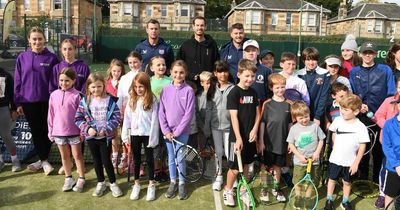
point(233, 4)
point(342, 13)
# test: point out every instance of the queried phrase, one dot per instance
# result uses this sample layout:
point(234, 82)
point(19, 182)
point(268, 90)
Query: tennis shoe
point(61, 171)
point(47, 168)
point(380, 202)
point(280, 196)
point(68, 184)
point(100, 188)
point(16, 165)
point(182, 195)
point(328, 205)
point(116, 191)
point(217, 185)
point(298, 202)
point(36, 166)
point(346, 206)
point(171, 190)
point(2, 164)
point(79, 185)
point(151, 192)
point(135, 192)
point(229, 199)
point(244, 196)
point(264, 195)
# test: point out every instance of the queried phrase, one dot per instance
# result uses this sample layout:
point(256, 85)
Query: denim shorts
point(71, 140)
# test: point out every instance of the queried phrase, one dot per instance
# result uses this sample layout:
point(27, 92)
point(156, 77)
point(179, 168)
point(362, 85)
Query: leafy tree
point(332, 5)
point(219, 8)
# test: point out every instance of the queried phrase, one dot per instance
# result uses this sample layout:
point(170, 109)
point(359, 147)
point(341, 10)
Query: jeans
point(171, 159)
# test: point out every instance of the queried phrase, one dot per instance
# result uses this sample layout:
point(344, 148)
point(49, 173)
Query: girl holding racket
point(177, 106)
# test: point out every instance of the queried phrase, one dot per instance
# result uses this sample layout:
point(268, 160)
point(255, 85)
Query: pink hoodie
point(385, 112)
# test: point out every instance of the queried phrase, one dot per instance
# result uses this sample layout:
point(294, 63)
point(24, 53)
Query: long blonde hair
point(94, 77)
point(115, 62)
point(143, 79)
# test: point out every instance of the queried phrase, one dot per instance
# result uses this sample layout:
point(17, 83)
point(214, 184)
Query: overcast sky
point(394, 1)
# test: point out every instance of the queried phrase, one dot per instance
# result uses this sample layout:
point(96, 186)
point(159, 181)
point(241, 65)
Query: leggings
point(5, 130)
point(36, 115)
point(101, 151)
point(171, 159)
point(221, 141)
point(136, 146)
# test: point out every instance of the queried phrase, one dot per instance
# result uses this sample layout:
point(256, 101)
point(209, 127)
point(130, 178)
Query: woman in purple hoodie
point(33, 70)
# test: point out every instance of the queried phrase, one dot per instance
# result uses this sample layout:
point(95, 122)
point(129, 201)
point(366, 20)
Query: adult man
point(232, 52)
point(154, 45)
point(200, 52)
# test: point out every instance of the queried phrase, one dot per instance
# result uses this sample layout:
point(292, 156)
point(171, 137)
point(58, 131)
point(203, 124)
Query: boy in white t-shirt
point(349, 142)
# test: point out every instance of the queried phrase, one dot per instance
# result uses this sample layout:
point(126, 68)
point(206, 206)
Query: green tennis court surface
point(28, 190)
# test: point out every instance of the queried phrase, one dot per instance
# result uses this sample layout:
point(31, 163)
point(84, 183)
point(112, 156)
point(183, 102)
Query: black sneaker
point(328, 205)
point(182, 194)
point(157, 177)
point(346, 206)
point(298, 202)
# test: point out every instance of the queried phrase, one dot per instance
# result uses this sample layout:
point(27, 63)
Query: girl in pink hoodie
point(63, 104)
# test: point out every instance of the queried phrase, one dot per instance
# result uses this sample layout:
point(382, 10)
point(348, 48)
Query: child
point(393, 60)
point(251, 50)
point(391, 148)
point(349, 142)
point(373, 83)
point(288, 65)
point(267, 59)
point(220, 118)
point(305, 141)
point(134, 62)
point(68, 51)
point(8, 113)
point(204, 103)
point(245, 114)
point(97, 117)
point(274, 128)
point(350, 57)
point(338, 92)
point(114, 73)
point(333, 64)
point(317, 83)
point(141, 116)
point(177, 106)
point(63, 104)
point(158, 66)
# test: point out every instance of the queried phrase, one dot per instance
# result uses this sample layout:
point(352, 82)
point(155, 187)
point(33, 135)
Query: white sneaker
point(68, 184)
point(135, 192)
point(47, 167)
point(116, 191)
point(280, 196)
point(264, 195)
point(79, 185)
point(100, 188)
point(229, 198)
point(217, 185)
point(151, 193)
point(16, 166)
point(36, 166)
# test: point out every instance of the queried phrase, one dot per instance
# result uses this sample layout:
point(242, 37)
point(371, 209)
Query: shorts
point(271, 159)
point(248, 153)
point(335, 172)
point(391, 187)
point(71, 140)
point(300, 171)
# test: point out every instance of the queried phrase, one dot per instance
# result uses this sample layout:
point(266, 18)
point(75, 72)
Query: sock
point(1, 158)
point(329, 197)
point(69, 177)
point(345, 199)
point(14, 157)
point(81, 177)
point(115, 154)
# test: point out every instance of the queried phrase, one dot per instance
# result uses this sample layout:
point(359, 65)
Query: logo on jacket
point(44, 64)
point(229, 57)
point(246, 100)
point(161, 51)
point(260, 79)
point(319, 81)
point(144, 51)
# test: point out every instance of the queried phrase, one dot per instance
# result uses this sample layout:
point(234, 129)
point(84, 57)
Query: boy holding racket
point(245, 114)
point(349, 137)
point(305, 140)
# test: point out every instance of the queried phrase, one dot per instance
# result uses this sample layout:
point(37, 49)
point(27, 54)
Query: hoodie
point(198, 56)
point(220, 117)
point(148, 51)
point(82, 73)
point(32, 76)
point(6, 90)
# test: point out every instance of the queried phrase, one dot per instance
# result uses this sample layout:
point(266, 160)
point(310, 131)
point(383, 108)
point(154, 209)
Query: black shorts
point(248, 152)
point(335, 172)
point(271, 159)
point(391, 187)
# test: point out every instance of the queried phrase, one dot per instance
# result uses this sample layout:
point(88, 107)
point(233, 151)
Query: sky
point(392, 1)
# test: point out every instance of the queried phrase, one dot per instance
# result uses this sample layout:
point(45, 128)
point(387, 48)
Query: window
point(303, 19)
point(289, 18)
point(185, 10)
point(163, 10)
point(312, 19)
point(135, 10)
point(149, 10)
point(41, 5)
point(253, 17)
point(393, 27)
point(57, 4)
point(370, 26)
point(127, 8)
point(378, 26)
point(3, 4)
point(274, 18)
point(27, 4)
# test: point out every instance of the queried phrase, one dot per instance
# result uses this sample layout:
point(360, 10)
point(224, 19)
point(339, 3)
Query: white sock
point(14, 157)
point(1, 158)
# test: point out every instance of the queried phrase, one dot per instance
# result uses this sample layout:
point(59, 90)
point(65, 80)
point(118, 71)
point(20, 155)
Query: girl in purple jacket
point(177, 103)
point(63, 104)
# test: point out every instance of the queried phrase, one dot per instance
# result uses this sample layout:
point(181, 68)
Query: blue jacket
point(161, 48)
point(261, 83)
point(391, 143)
point(232, 56)
point(373, 84)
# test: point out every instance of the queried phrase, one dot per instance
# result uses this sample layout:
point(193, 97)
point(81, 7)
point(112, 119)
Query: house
point(280, 17)
point(374, 20)
point(172, 14)
point(79, 13)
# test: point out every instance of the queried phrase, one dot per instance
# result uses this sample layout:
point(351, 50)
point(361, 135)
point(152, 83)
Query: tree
point(332, 5)
point(218, 8)
point(366, 1)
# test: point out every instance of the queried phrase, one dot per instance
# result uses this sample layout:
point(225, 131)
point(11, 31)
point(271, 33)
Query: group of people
point(233, 96)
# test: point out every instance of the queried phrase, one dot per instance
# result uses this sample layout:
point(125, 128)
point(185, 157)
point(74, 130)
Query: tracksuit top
point(232, 56)
point(148, 51)
point(391, 143)
point(82, 73)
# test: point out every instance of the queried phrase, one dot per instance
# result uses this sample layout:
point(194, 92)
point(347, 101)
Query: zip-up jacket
point(232, 56)
point(199, 56)
point(148, 51)
point(177, 108)
point(220, 117)
point(261, 83)
point(203, 113)
point(61, 114)
point(84, 119)
point(32, 76)
point(82, 73)
point(385, 112)
point(6, 90)
point(372, 84)
point(391, 143)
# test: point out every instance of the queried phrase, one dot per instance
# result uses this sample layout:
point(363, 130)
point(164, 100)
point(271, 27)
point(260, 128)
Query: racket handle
point(129, 136)
point(309, 165)
point(239, 160)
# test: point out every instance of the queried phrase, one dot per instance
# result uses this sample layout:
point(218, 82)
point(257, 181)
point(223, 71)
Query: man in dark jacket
point(154, 45)
point(200, 52)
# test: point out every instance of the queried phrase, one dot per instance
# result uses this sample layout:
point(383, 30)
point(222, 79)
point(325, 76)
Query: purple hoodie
point(176, 109)
point(32, 74)
point(82, 73)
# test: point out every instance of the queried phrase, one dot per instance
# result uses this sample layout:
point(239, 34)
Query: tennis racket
point(394, 204)
point(373, 135)
point(244, 196)
point(325, 158)
point(304, 194)
point(193, 167)
point(365, 189)
point(293, 94)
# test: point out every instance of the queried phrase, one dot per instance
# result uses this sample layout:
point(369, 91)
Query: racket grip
point(239, 160)
point(309, 165)
point(129, 136)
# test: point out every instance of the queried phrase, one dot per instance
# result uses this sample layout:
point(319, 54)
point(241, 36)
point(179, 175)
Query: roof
point(277, 5)
point(163, 1)
point(388, 11)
